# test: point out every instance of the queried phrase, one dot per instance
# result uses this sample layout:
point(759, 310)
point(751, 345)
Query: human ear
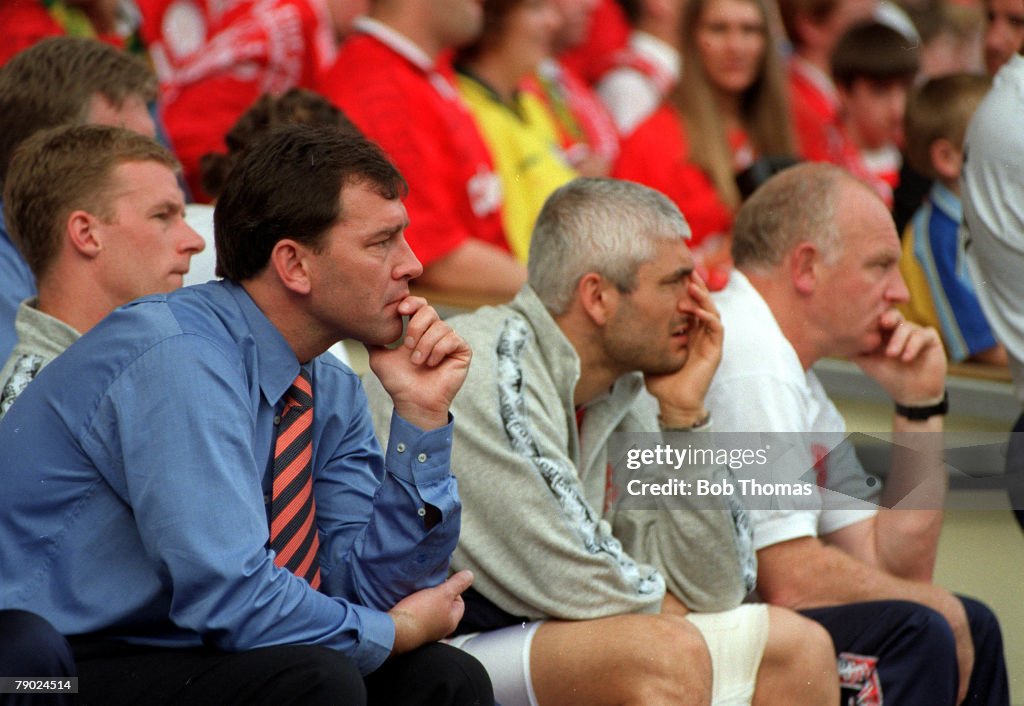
point(291, 262)
point(83, 232)
point(946, 159)
point(803, 267)
point(598, 297)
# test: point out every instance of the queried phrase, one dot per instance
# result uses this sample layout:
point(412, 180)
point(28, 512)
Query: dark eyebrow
point(388, 232)
point(681, 273)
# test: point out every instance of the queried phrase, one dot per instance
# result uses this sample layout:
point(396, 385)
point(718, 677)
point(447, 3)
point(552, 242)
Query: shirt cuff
point(835, 520)
point(416, 456)
point(377, 638)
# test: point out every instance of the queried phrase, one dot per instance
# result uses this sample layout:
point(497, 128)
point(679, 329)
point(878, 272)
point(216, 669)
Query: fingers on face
point(448, 345)
point(412, 305)
point(891, 320)
point(709, 320)
point(431, 343)
point(419, 323)
point(908, 340)
point(922, 339)
point(705, 313)
point(700, 292)
point(898, 340)
point(434, 344)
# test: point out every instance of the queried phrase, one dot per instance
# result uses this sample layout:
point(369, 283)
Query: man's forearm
point(907, 533)
point(807, 573)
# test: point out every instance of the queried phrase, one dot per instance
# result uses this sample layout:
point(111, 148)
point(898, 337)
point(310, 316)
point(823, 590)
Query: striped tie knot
point(293, 535)
point(300, 394)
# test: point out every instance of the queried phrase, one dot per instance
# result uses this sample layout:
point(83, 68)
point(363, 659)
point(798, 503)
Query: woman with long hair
point(728, 112)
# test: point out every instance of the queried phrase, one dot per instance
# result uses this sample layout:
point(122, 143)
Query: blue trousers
point(903, 654)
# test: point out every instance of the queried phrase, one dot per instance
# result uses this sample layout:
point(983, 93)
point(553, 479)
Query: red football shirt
point(214, 61)
point(414, 113)
point(815, 107)
point(25, 22)
point(657, 154)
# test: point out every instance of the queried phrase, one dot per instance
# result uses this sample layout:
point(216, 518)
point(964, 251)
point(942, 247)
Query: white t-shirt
point(992, 190)
point(760, 386)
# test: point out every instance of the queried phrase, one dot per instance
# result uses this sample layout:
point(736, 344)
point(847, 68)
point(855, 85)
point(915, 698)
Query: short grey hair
point(797, 205)
point(607, 226)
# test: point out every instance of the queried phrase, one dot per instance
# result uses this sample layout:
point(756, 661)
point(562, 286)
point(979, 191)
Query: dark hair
point(496, 14)
point(873, 50)
point(52, 83)
point(632, 10)
point(792, 11)
point(288, 185)
point(297, 106)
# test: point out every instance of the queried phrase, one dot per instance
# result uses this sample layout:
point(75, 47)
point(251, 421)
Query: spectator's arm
point(477, 267)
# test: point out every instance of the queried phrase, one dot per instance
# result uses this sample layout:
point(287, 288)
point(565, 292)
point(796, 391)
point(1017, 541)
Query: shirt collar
point(947, 201)
point(41, 333)
point(816, 77)
point(395, 40)
point(275, 363)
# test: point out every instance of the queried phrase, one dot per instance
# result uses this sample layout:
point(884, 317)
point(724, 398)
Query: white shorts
point(736, 639)
point(505, 654)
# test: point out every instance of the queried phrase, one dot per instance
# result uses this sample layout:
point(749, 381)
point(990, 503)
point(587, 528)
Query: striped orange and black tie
point(293, 510)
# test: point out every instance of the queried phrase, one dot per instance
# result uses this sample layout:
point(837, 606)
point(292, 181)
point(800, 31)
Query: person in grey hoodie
point(614, 332)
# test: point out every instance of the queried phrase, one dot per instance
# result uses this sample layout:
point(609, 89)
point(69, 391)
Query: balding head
point(821, 248)
point(794, 206)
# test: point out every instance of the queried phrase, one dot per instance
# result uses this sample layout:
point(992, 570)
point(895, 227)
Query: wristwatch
point(919, 414)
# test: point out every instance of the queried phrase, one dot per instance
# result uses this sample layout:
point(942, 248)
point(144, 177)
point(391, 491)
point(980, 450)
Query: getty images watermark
point(694, 459)
point(695, 470)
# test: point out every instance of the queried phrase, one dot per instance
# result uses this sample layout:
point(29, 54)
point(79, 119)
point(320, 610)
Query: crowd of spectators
point(551, 89)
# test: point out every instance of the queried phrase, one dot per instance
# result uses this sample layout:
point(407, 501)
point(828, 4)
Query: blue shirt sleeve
point(16, 285)
point(965, 330)
point(376, 547)
point(174, 438)
point(958, 308)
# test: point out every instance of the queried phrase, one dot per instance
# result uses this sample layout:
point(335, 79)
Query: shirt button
point(422, 512)
point(400, 447)
point(421, 458)
point(277, 419)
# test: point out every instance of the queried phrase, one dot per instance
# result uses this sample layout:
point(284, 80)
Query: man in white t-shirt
point(817, 275)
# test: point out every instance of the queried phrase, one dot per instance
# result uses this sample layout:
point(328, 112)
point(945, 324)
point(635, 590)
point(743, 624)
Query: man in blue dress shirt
point(138, 468)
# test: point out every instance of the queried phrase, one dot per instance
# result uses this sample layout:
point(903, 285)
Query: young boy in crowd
point(874, 66)
point(941, 291)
